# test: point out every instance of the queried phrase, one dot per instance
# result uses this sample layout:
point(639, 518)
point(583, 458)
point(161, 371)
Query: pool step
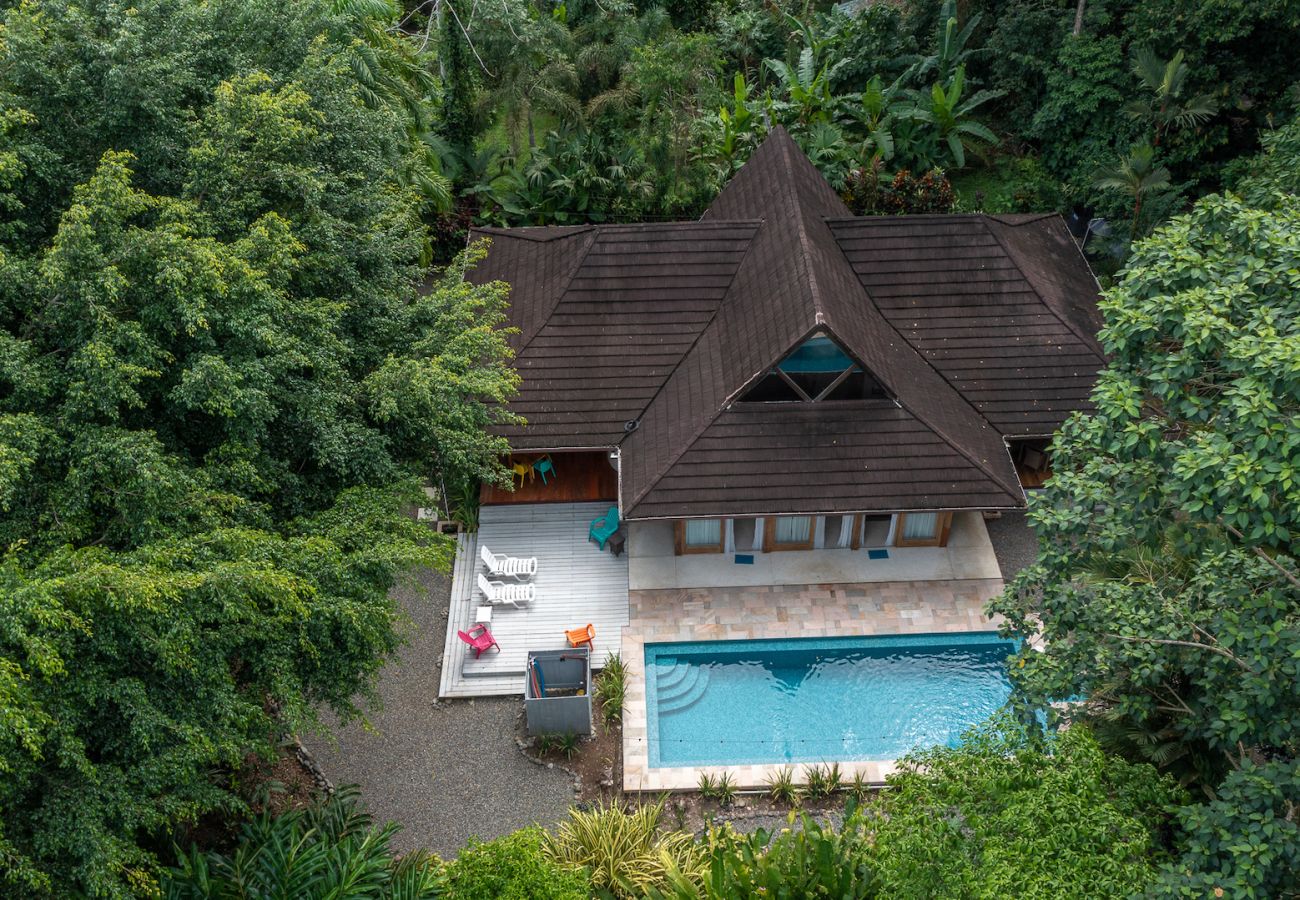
point(669, 673)
point(688, 694)
point(680, 687)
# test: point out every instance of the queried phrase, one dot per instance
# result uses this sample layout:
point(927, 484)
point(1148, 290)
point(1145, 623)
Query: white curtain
point(920, 526)
point(793, 529)
point(703, 532)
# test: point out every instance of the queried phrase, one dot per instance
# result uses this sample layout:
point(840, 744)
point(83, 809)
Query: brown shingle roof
point(632, 301)
point(992, 303)
point(668, 324)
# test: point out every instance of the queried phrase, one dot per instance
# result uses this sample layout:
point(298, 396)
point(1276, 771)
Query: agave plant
point(610, 688)
point(781, 786)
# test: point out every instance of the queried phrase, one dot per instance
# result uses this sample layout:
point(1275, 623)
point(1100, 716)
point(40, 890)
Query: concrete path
point(445, 771)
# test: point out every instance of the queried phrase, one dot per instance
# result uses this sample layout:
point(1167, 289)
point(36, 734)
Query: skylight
point(818, 369)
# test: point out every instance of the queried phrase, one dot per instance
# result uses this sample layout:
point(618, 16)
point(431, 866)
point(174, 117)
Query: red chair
point(579, 636)
point(480, 638)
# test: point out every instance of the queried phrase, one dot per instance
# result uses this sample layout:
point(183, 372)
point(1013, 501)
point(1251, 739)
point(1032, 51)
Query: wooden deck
point(576, 584)
point(579, 478)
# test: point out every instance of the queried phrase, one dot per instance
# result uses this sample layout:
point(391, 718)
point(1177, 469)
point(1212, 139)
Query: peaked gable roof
point(645, 337)
point(796, 282)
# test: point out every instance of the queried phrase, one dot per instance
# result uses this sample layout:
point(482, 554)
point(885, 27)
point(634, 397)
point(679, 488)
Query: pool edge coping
point(639, 777)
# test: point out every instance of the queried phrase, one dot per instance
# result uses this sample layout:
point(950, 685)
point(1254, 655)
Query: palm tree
point(1163, 105)
point(1136, 175)
point(951, 115)
point(391, 71)
point(535, 72)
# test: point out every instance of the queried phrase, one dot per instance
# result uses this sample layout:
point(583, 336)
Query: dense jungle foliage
point(222, 382)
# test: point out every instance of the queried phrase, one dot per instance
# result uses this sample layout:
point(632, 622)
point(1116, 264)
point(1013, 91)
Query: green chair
point(542, 465)
point(603, 528)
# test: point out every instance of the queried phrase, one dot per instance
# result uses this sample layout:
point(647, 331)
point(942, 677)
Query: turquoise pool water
point(809, 700)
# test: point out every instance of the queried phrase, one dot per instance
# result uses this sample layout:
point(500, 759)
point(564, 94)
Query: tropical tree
point(1167, 592)
point(1164, 107)
point(1013, 813)
point(1137, 176)
point(220, 386)
point(531, 70)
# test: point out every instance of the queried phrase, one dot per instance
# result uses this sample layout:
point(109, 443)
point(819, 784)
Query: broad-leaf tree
point(219, 387)
point(1168, 589)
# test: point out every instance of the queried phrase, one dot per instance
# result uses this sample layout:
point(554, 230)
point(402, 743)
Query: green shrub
point(609, 689)
point(811, 860)
point(708, 786)
point(781, 787)
point(565, 742)
point(823, 780)
point(328, 849)
point(625, 853)
point(514, 867)
point(1001, 816)
point(726, 789)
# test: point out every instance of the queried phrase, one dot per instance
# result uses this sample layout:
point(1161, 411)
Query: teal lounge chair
point(601, 529)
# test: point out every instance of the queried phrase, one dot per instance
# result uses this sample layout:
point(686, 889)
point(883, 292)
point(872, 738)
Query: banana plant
point(950, 115)
point(950, 51)
point(807, 88)
point(876, 113)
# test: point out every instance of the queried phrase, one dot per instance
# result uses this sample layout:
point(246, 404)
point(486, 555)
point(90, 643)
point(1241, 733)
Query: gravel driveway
point(1014, 542)
point(446, 771)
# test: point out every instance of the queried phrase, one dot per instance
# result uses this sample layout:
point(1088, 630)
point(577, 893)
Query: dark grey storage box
point(566, 704)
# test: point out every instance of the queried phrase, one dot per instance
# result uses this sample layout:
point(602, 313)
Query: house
point(803, 418)
point(781, 375)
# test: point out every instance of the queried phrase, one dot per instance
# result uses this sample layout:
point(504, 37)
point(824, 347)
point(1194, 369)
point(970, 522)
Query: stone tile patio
point(916, 607)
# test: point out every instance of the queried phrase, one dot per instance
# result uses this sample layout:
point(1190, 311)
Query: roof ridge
point(564, 289)
point(1029, 218)
point(1090, 340)
point(519, 233)
point(796, 204)
point(651, 482)
point(939, 430)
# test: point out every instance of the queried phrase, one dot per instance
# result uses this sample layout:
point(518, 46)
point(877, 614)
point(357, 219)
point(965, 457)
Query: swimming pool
point(809, 700)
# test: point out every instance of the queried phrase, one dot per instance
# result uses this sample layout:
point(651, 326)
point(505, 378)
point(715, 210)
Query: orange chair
point(579, 636)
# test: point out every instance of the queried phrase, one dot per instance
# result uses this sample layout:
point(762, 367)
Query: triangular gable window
point(818, 369)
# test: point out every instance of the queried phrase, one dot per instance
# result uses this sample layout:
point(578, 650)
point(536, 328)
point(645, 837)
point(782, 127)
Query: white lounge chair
point(501, 566)
point(498, 592)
